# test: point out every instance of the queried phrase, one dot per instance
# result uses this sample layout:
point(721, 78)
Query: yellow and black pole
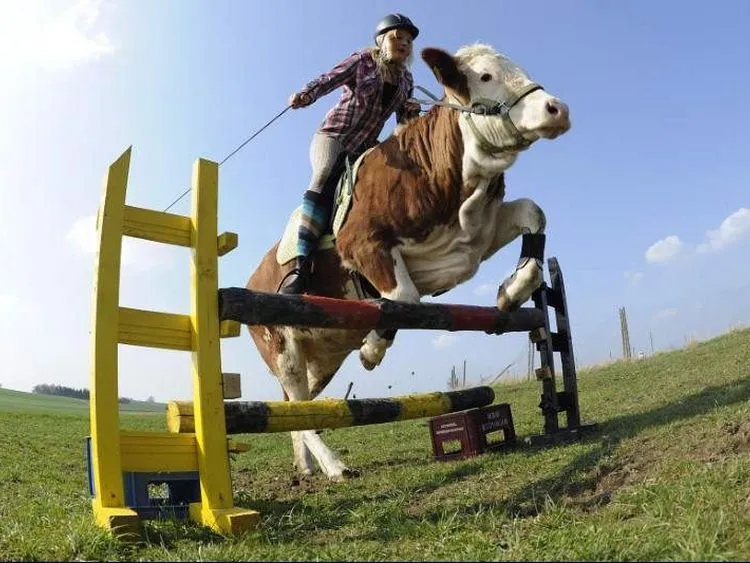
point(256, 417)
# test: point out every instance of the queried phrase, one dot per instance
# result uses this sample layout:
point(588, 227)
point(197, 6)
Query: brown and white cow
point(428, 208)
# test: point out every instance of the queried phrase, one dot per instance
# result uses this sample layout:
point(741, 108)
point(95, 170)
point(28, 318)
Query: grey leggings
point(327, 158)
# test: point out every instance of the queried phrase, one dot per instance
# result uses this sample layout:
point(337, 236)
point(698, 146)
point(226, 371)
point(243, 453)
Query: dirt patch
point(286, 485)
point(739, 437)
point(600, 486)
point(731, 440)
point(624, 472)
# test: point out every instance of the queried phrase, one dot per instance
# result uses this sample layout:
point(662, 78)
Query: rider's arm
point(329, 81)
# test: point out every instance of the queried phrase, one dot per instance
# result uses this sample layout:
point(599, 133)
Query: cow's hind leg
point(394, 283)
point(521, 217)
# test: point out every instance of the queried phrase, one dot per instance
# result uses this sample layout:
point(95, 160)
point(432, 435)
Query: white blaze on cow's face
point(492, 76)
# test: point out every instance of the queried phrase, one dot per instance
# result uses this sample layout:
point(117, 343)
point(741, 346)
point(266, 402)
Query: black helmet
point(393, 21)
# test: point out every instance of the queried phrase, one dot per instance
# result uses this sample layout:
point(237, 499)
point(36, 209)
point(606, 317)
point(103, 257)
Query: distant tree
point(61, 391)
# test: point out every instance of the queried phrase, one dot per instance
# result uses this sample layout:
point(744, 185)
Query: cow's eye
point(486, 77)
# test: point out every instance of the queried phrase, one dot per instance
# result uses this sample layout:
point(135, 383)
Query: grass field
point(666, 477)
point(20, 402)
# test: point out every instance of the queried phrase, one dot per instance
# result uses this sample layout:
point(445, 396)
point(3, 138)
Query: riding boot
point(297, 281)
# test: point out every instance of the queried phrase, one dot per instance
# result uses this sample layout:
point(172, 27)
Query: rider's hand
point(299, 100)
point(412, 107)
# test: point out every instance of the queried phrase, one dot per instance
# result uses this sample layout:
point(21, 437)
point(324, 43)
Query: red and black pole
point(262, 308)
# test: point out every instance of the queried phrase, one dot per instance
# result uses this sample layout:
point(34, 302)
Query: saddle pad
point(287, 249)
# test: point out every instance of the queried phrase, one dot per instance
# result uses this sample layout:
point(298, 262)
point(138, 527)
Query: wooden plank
point(158, 452)
point(227, 242)
point(229, 329)
point(108, 505)
point(216, 508)
point(155, 329)
point(157, 226)
point(232, 383)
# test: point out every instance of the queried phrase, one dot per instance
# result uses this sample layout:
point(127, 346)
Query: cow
point(428, 208)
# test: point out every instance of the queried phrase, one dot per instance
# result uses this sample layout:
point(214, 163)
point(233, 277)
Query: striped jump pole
point(285, 416)
point(262, 308)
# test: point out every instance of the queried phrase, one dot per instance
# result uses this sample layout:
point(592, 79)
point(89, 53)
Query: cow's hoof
point(504, 302)
point(303, 471)
point(345, 475)
point(351, 473)
point(368, 364)
point(371, 354)
point(519, 287)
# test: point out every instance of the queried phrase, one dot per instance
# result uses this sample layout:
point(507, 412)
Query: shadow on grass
point(529, 501)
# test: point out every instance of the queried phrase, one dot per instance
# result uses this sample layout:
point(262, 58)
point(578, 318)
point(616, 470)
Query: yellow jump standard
point(116, 456)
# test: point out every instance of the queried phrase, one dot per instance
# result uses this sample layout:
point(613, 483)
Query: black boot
point(297, 281)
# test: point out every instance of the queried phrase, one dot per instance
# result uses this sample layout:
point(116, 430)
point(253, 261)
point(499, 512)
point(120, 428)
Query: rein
point(488, 107)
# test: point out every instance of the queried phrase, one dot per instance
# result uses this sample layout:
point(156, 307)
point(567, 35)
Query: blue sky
point(646, 197)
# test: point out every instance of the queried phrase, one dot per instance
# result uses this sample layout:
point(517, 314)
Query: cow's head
point(479, 75)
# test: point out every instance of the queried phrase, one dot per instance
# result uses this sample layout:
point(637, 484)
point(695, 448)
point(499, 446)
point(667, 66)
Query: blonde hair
point(386, 67)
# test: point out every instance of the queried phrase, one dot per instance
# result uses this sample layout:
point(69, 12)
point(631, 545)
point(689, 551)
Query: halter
point(485, 107)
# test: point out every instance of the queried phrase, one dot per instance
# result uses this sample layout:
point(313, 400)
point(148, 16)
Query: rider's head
point(394, 35)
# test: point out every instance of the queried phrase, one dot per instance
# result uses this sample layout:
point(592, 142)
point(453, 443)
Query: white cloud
point(31, 35)
point(444, 340)
point(665, 249)
point(730, 230)
point(485, 289)
point(11, 303)
point(137, 254)
point(666, 314)
point(82, 234)
point(633, 277)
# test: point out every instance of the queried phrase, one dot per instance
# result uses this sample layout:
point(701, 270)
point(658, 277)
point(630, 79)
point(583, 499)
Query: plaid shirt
point(359, 116)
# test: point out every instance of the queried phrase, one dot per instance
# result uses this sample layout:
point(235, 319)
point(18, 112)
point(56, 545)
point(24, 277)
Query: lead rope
point(235, 151)
point(435, 101)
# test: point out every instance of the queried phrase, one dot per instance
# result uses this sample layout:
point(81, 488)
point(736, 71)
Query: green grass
point(666, 477)
point(20, 402)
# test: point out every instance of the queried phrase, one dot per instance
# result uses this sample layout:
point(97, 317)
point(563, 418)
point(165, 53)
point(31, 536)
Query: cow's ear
point(446, 71)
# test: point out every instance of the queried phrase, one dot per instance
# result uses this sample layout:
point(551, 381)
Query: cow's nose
point(557, 109)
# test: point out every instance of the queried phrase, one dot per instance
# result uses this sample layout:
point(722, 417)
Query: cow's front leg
point(392, 279)
point(374, 347)
point(291, 370)
point(521, 217)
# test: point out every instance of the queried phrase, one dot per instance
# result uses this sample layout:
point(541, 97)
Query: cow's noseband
point(489, 107)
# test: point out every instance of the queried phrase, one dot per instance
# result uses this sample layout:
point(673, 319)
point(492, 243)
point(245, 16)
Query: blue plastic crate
point(183, 488)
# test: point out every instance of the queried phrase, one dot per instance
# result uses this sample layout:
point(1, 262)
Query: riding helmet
point(393, 21)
